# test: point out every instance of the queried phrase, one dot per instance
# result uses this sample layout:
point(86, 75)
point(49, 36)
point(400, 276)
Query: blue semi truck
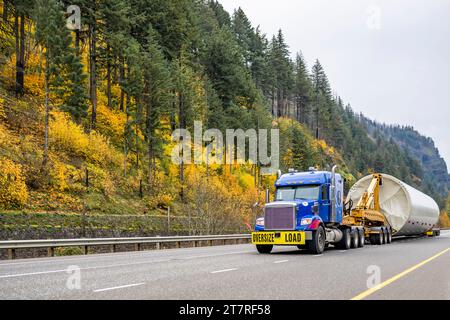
point(309, 212)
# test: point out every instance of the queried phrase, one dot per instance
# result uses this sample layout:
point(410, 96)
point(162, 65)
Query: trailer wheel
point(380, 239)
point(389, 235)
point(355, 239)
point(385, 236)
point(346, 240)
point(362, 238)
point(264, 248)
point(317, 244)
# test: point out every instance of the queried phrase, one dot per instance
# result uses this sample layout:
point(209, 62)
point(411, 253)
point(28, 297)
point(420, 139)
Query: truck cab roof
point(305, 178)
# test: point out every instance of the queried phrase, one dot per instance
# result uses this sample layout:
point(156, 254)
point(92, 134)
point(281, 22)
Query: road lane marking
point(224, 270)
point(122, 264)
point(396, 277)
point(95, 257)
point(120, 287)
point(280, 261)
point(318, 255)
point(31, 273)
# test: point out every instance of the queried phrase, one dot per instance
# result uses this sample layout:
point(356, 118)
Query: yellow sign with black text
point(282, 237)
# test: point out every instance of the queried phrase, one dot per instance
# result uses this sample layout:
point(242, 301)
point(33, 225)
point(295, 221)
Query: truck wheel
point(346, 240)
point(264, 248)
point(355, 239)
point(389, 235)
point(362, 238)
point(380, 238)
point(317, 244)
point(385, 236)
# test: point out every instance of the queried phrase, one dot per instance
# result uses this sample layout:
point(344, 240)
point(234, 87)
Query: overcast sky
point(389, 59)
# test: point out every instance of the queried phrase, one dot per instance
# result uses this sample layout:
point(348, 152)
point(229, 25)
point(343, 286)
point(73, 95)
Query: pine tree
point(115, 15)
point(281, 74)
point(224, 65)
point(321, 98)
point(244, 34)
point(222, 16)
point(302, 91)
point(21, 10)
point(156, 93)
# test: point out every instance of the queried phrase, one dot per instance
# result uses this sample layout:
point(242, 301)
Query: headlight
point(306, 221)
point(260, 222)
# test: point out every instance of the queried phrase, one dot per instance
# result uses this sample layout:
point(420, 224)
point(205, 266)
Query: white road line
point(31, 273)
point(280, 261)
point(121, 264)
point(97, 256)
point(120, 287)
point(343, 250)
point(225, 270)
point(318, 255)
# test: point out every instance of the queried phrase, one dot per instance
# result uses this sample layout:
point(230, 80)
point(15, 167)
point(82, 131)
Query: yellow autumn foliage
point(13, 190)
point(444, 220)
point(65, 177)
point(100, 180)
point(65, 135)
point(110, 122)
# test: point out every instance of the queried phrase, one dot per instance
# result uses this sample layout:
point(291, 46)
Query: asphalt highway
point(408, 268)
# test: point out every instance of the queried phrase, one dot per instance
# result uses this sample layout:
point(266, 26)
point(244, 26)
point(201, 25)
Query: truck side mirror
point(267, 195)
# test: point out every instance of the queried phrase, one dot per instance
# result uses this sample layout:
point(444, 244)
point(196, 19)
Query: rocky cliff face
point(435, 171)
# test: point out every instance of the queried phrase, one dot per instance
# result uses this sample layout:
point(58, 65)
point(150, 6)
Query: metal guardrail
point(85, 243)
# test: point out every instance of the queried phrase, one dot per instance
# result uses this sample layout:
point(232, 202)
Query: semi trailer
point(309, 211)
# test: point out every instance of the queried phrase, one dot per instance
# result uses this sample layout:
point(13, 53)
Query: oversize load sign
point(284, 237)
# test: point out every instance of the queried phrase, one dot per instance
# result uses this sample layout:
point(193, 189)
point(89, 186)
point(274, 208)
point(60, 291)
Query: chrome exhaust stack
point(333, 194)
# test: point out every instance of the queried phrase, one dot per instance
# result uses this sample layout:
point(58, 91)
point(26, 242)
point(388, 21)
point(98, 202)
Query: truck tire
point(385, 236)
point(355, 239)
point(380, 238)
point(362, 238)
point(317, 244)
point(346, 240)
point(389, 238)
point(264, 248)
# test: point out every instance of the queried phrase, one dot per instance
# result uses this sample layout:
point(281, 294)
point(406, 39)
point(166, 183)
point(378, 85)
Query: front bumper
point(281, 237)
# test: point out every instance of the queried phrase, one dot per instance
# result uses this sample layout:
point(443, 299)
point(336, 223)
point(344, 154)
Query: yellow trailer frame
point(367, 211)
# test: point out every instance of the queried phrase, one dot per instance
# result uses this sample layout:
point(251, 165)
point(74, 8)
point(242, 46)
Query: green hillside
point(86, 117)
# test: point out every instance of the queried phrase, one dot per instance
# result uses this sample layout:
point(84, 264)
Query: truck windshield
point(298, 193)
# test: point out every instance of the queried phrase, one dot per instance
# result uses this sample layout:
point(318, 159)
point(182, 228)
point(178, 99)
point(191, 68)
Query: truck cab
point(307, 211)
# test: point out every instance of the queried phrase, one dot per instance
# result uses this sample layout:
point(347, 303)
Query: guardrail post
point(210, 242)
point(158, 244)
point(178, 244)
point(137, 247)
point(224, 241)
point(51, 252)
point(113, 248)
point(194, 244)
point(11, 254)
point(85, 249)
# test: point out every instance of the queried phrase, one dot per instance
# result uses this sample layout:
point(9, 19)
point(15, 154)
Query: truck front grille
point(279, 218)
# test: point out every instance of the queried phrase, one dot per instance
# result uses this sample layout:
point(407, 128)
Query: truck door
point(325, 203)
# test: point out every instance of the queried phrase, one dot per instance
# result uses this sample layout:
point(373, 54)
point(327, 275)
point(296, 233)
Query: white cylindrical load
point(407, 210)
